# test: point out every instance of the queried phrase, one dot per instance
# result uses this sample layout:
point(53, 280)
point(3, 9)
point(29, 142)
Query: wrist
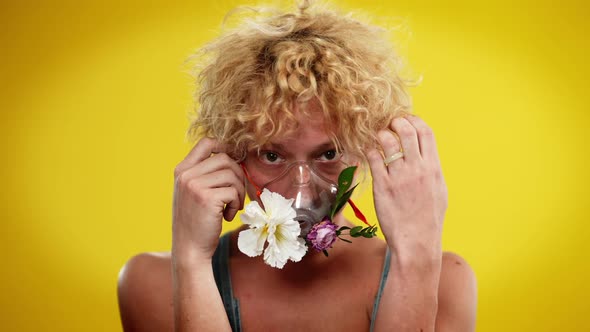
point(420, 277)
point(417, 257)
point(189, 258)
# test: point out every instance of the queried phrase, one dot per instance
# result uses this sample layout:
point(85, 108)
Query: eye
point(330, 155)
point(270, 157)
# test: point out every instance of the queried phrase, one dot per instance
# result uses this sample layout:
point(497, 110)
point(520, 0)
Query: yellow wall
point(93, 103)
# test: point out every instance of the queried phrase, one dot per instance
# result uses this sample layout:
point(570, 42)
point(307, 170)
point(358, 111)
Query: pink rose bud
point(322, 235)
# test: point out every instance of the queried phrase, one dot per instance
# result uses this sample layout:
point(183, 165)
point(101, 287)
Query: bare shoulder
point(145, 293)
point(457, 295)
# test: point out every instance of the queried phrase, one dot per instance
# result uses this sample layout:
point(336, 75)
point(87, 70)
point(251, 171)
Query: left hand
point(410, 193)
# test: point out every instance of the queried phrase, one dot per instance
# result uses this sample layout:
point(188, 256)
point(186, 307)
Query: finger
point(378, 169)
point(201, 151)
point(220, 161)
point(229, 196)
point(408, 138)
point(390, 145)
point(222, 179)
point(210, 165)
point(216, 172)
point(426, 139)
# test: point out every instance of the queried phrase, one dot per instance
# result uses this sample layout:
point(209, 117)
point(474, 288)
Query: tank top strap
point(220, 264)
point(384, 275)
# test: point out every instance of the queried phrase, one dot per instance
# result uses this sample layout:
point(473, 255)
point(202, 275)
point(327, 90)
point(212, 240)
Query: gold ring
point(393, 158)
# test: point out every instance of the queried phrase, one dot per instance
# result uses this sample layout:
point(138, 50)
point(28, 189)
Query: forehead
point(310, 128)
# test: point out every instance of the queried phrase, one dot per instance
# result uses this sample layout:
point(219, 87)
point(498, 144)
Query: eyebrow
point(320, 148)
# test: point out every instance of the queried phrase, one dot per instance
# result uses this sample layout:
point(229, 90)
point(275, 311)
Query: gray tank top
point(220, 264)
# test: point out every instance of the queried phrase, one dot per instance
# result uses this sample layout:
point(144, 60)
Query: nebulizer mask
point(311, 184)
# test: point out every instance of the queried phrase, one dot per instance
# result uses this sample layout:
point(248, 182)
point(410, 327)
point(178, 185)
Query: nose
point(303, 189)
point(301, 175)
point(305, 197)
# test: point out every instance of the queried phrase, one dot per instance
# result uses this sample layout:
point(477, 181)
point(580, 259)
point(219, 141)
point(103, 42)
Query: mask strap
point(258, 190)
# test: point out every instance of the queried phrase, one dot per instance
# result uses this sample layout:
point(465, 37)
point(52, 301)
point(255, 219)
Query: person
point(286, 102)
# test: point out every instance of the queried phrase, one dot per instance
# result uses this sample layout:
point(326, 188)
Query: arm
point(208, 187)
point(417, 306)
point(197, 303)
point(410, 297)
point(411, 200)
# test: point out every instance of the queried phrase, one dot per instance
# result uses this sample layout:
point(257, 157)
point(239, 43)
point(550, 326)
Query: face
point(303, 166)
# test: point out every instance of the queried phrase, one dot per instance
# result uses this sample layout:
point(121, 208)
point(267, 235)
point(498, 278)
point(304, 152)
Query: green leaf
point(343, 194)
point(367, 232)
point(355, 230)
point(345, 240)
point(325, 252)
point(340, 202)
point(368, 235)
point(374, 230)
point(345, 180)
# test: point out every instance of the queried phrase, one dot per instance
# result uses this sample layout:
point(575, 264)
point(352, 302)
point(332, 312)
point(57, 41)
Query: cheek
point(251, 191)
point(279, 188)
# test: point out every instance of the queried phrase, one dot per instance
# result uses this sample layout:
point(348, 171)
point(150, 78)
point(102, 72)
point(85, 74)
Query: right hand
point(208, 186)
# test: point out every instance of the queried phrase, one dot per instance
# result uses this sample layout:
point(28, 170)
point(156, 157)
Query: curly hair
point(250, 77)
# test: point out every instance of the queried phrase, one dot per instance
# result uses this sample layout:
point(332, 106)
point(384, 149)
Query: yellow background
point(93, 103)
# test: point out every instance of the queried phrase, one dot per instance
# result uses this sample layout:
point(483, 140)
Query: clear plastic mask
point(312, 194)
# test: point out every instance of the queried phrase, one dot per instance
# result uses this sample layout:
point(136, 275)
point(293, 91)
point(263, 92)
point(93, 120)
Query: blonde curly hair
point(249, 79)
